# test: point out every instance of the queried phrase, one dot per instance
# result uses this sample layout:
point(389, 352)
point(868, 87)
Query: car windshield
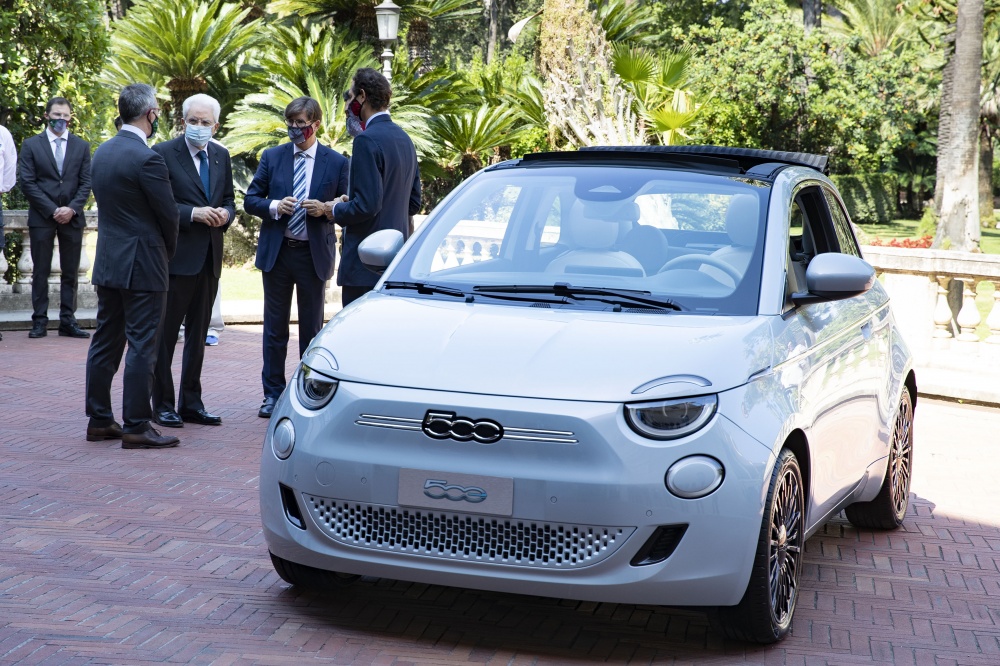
point(594, 236)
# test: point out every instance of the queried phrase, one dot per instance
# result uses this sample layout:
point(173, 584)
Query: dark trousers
point(292, 269)
point(132, 316)
point(42, 243)
point(190, 300)
point(350, 293)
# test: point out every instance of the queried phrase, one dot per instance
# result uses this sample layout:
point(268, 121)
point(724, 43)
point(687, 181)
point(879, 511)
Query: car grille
point(466, 537)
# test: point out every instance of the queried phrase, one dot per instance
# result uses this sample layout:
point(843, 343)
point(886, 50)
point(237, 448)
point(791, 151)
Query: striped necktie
point(299, 190)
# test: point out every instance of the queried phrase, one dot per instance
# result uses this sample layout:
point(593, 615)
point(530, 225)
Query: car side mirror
point(832, 276)
point(379, 249)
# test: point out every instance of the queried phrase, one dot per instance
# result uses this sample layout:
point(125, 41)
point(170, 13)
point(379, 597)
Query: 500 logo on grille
point(446, 425)
point(436, 489)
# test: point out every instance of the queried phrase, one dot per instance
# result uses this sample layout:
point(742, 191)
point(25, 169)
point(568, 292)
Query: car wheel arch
point(798, 444)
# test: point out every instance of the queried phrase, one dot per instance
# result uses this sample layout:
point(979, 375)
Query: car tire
point(888, 509)
point(764, 614)
point(305, 577)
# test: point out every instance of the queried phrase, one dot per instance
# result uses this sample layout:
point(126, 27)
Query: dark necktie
point(203, 156)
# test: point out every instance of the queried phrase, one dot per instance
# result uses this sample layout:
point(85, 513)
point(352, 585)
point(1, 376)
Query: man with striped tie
point(294, 249)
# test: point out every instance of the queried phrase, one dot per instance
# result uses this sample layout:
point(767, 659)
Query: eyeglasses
point(298, 123)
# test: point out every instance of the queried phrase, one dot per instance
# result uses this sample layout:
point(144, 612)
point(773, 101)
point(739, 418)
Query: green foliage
point(773, 86)
point(50, 48)
point(625, 22)
point(13, 245)
point(659, 82)
point(928, 223)
point(870, 197)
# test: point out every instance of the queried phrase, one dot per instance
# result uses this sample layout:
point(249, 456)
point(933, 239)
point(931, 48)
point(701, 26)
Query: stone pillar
point(968, 317)
point(83, 281)
point(942, 313)
point(24, 265)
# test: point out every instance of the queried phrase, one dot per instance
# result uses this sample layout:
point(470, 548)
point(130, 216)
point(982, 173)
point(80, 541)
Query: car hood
point(514, 350)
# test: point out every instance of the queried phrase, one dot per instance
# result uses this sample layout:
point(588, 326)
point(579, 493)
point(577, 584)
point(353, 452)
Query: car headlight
point(316, 384)
point(671, 419)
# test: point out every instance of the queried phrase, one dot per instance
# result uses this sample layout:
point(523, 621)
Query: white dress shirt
point(138, 132)
point(52, 141)
point(8, 160)
point(310, 162)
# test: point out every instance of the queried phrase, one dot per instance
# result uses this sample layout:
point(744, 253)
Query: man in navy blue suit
point(297, 243)
point(385, 180)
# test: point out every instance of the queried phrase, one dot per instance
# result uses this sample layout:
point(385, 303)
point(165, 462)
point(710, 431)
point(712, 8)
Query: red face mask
point(355, 108)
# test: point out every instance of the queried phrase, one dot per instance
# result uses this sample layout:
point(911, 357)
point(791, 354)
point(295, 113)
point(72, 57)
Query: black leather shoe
point(201, 416)
point(37, 330)
point(168, 418)
point(150, 439)
point(72, 331)
point(99, 434)
point(267, 408)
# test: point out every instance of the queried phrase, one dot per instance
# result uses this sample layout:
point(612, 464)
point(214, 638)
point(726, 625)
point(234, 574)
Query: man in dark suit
point(385, 180)
point(55, 177)
point(296, 244)
point(137, 235)
point(201, 177)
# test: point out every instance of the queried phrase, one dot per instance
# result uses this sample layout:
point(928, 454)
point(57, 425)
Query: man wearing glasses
point(201, 177)
point(137, 235)
point(55, 177)
point(297, 243)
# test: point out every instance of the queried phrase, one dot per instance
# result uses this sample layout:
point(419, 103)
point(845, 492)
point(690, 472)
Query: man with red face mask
point(296, 246)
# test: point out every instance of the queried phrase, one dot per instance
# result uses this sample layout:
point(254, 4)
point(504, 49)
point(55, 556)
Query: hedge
point(871, 198)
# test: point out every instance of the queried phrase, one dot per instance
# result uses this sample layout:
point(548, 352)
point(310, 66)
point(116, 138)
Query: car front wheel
point(887, 510)
point(310, 578)
point(764, 615)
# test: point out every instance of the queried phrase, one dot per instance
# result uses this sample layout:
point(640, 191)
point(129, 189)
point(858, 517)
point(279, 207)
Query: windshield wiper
point(565, 290)
point(428, 288)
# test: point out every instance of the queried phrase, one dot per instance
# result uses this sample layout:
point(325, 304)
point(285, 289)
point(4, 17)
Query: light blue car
point(635, 375)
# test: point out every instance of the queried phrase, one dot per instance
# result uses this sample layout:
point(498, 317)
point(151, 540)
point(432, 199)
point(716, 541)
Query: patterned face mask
point(355, 125)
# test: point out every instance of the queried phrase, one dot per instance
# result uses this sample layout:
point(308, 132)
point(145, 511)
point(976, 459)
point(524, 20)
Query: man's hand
point(287, 206)
point(213, 217)
point(63, 214)
point(314, 207)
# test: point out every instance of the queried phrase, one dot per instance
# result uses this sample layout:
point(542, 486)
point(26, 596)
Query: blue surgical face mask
point(198, 135)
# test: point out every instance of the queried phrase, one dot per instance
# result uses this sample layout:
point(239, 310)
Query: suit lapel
point(318, 169)
point(187, 165)
point(47, 147)
point(216, 177)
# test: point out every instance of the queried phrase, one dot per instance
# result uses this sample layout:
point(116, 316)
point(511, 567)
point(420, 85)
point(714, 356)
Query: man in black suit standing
point(201, 177)
point(296, 244)
point(55, 177)
point(137, 235)
point(385, 180)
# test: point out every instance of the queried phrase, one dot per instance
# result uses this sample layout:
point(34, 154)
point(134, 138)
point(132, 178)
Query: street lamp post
point(387, 16)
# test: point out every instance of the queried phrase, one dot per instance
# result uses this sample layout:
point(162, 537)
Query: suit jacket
point(273, 180)
point(136, 215)
point(385, 192)
point(45, 189)
point(194, 238)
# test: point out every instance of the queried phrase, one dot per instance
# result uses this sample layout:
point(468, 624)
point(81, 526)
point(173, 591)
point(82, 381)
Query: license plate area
point(447, 491)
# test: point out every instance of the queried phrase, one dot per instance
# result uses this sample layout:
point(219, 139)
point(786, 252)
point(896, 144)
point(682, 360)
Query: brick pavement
point(132, 557)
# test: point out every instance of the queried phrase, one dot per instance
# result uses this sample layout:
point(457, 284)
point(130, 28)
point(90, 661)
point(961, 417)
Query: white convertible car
point(637, 375)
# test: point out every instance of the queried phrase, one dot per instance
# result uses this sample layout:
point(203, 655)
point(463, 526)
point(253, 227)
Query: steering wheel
point(703, 259)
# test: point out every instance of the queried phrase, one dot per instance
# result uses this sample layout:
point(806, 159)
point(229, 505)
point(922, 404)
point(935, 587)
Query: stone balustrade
point(17, 296)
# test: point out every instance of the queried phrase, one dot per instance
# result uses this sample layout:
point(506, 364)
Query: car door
point(837, 391)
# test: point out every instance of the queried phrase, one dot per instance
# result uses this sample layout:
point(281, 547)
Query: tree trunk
point(958, 227)
point(944, 125)
point(418, 44)
point(493, 35)
point(986, 176)
point(812, 14)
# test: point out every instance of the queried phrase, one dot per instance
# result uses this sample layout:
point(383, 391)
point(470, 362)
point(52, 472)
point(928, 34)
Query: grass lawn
point(241, 284)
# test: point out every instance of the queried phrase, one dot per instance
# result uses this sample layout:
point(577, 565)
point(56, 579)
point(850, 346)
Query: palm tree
point(467, 136)
point(188, 46)
point(659, 84)
point(959, 223)
point(302, 58)
point(421, 15)
point(880, 25)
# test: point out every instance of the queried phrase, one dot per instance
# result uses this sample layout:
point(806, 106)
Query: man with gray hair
point(201, 177)
point(137, 236)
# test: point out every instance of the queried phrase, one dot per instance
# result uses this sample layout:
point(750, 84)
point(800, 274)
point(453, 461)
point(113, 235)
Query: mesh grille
point(466, 537)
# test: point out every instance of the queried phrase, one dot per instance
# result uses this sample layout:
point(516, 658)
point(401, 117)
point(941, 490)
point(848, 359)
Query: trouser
point(350, 293)
point(42, 246)
point(132, 316)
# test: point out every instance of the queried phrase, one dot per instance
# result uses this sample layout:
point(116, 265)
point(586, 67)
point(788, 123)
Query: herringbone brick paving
point(110, 556)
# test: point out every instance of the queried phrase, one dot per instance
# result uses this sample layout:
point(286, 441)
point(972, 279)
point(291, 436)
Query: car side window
point(841, 225)
point(810, 233)
point(552, 227)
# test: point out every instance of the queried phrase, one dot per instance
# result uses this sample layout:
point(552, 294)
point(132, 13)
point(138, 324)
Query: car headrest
point(743, 219)
point(596, 225)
